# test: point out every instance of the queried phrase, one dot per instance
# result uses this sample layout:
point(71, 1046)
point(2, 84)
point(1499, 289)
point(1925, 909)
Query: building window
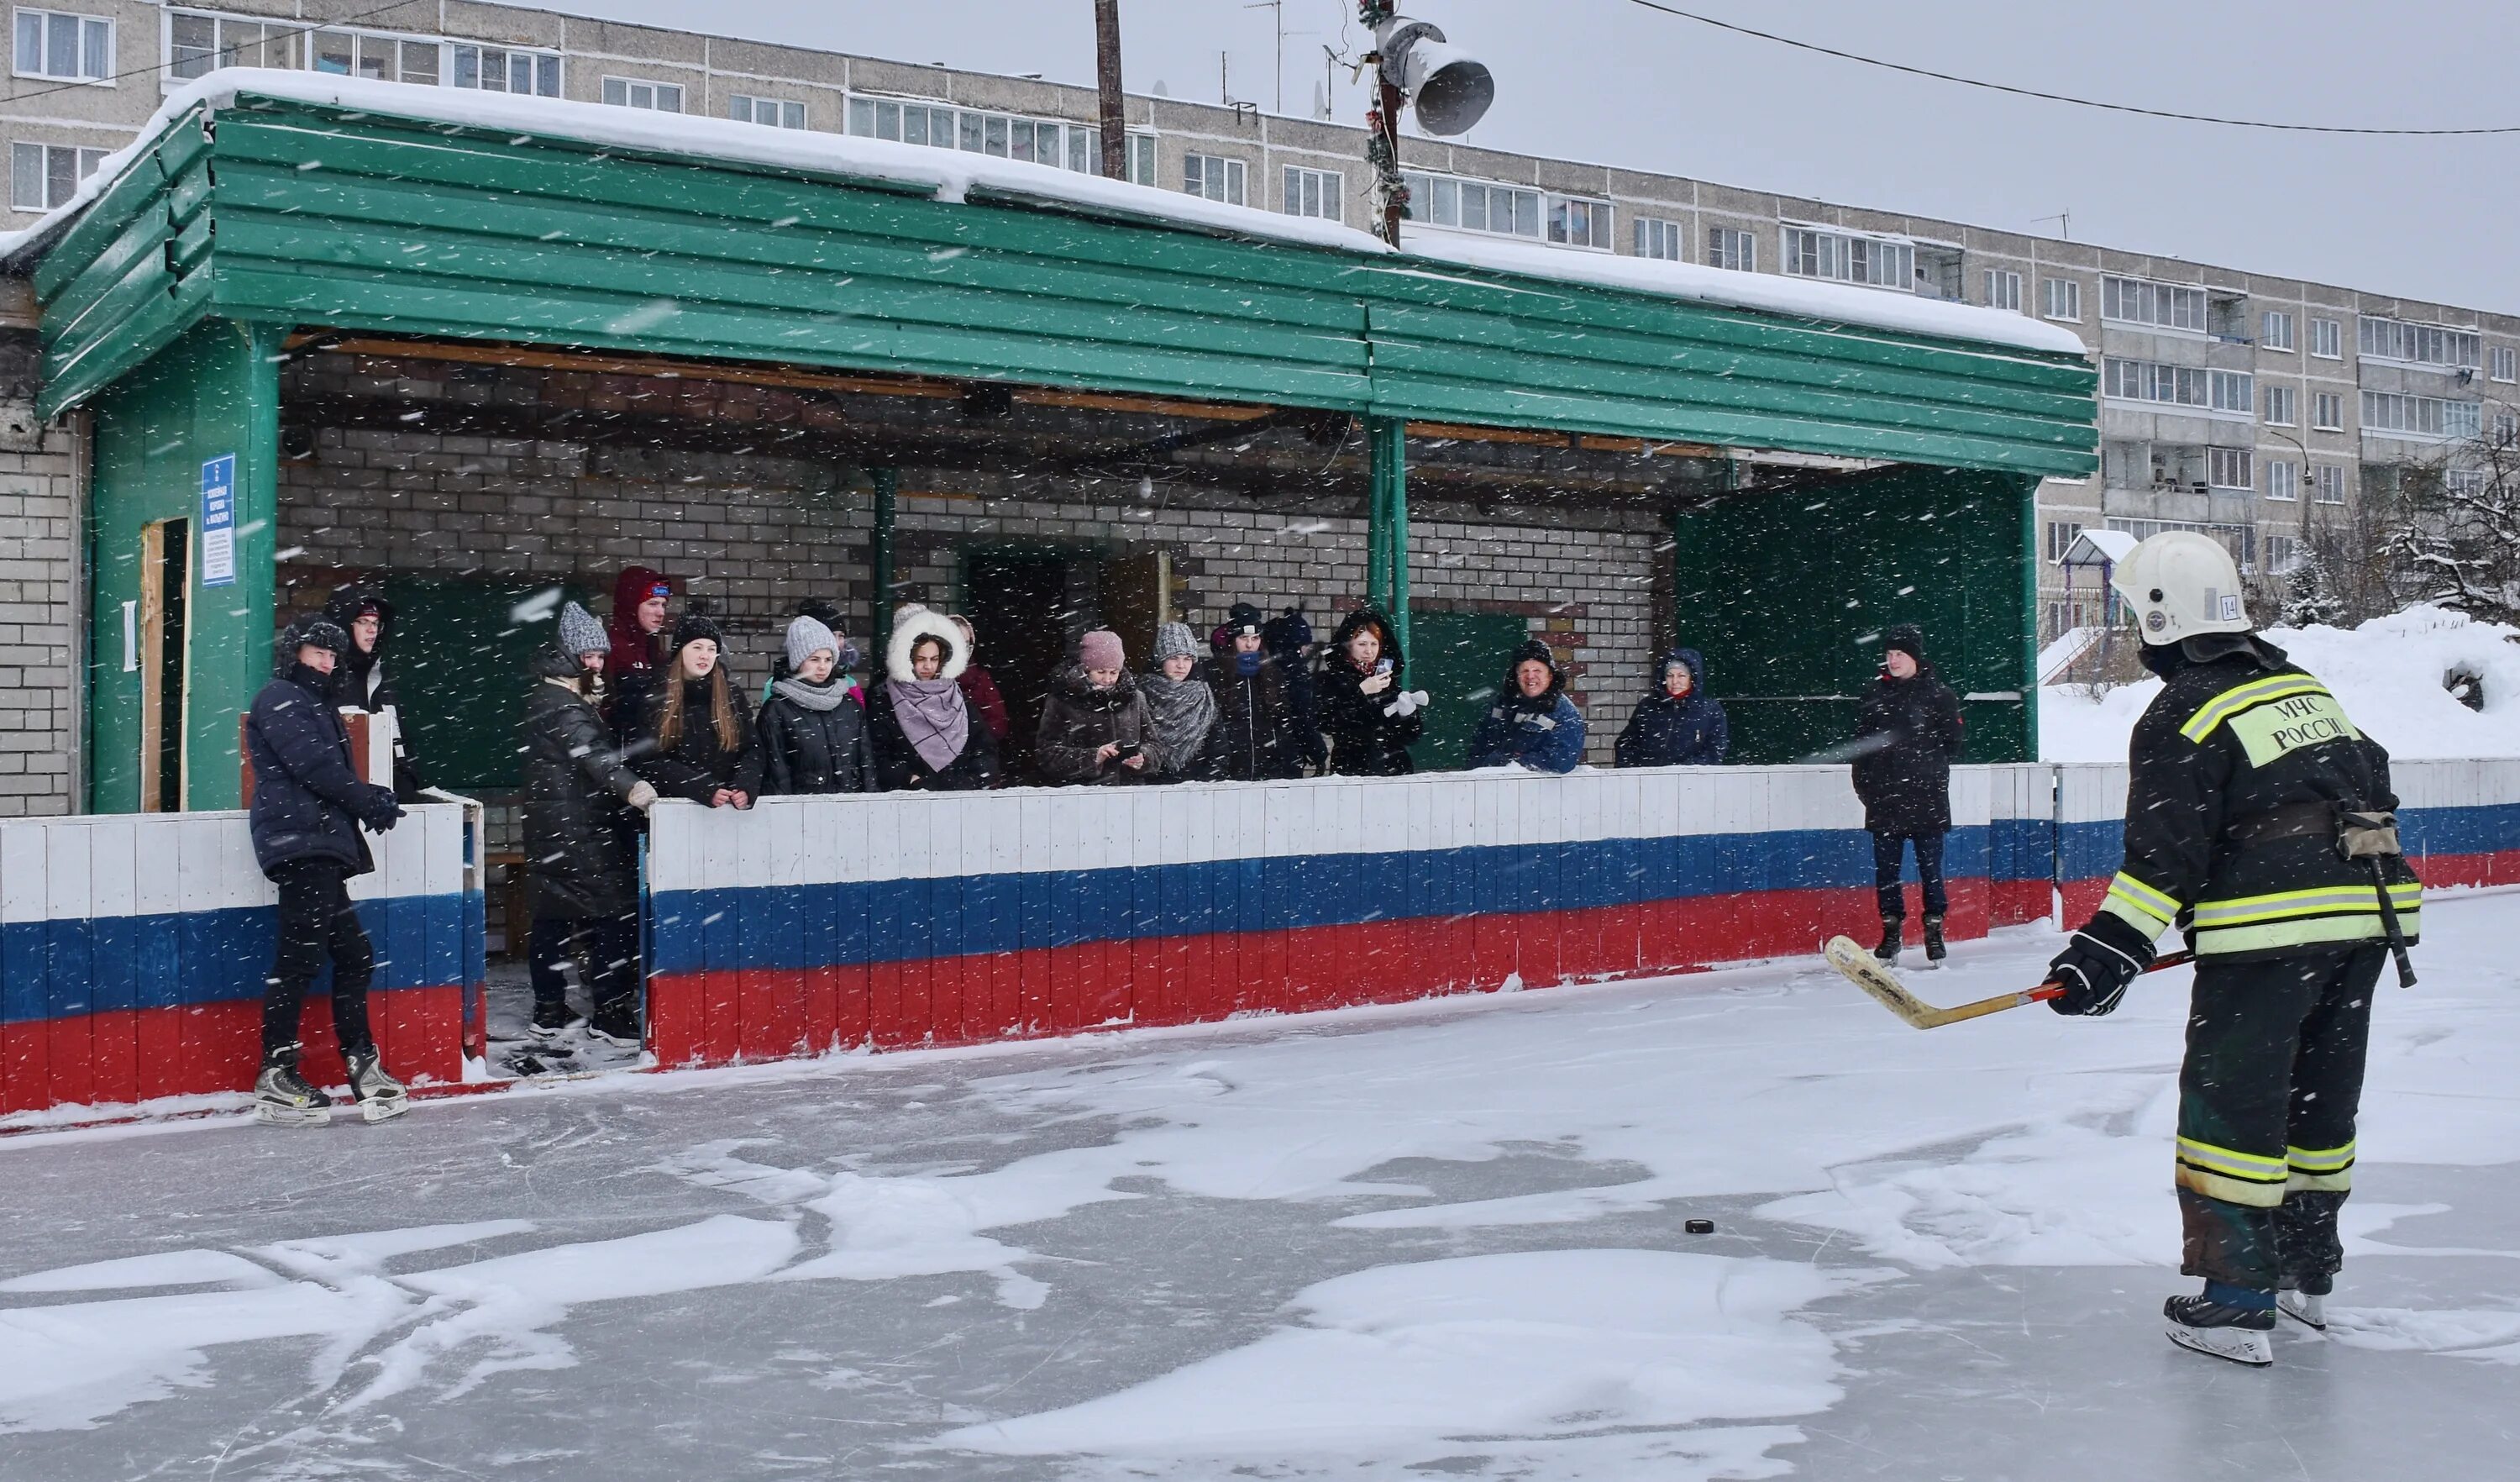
point(2420, 416)
point(2417, 344)
point(1476, 205)
point(2061, 299)
point(71, 48)
point(1880, 262)
point(1213, 177)
point(496, 69)
point(367, 54)
point(2003, 290)
point(1004, 136)
point(1314, 193)
point(2283, 479)
point(1728, 249)
point(2228, 469)
point(2327, 483)
point(1142, 159)
point(2506, 428)
point(2327, 411)
point(2146, 381)
point(2233, 391)
point(2161, 305)
point(2277, 331)
point(2506, 363)
point(1666, 240)
point(1576, 222)
point(2467, 483)
point(655, 97)
point(2283, 406)
point(2060, 538)
point(2284, 552)
point(2326, 340)
point(777, 112)
point(42, 176)
point(198, 45)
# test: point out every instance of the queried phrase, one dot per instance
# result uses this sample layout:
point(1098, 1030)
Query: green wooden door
point(1458, 659)
point(459, 668)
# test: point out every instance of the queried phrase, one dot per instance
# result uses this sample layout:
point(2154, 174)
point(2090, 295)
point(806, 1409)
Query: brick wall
point(39, 623)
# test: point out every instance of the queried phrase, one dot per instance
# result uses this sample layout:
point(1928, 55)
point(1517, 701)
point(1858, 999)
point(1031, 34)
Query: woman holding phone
point(1096, 726)
point(1368, 715)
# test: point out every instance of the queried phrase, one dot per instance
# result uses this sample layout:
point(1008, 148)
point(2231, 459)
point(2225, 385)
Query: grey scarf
point(822, 697)
point(1184, 711)
point(932, 717)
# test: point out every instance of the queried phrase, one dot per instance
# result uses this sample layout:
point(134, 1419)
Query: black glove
point(2097, 966)
point(378, 808)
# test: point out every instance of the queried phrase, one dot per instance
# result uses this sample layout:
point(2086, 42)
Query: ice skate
point(381, 1096)
point(1935, 951)
point(2303, 1306)
point(2222, 1332)
point(282, 1098)
point(1887, 954)
point(614, 1027)
point(551, 1021)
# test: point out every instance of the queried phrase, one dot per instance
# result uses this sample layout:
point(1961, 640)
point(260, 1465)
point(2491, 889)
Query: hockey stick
point(1864, 971)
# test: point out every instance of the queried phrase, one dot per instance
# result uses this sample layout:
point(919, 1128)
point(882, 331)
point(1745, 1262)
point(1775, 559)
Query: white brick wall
point(39, 562)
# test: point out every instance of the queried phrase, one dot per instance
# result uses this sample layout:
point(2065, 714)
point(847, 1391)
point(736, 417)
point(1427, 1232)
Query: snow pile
point(2388, 673)
point(954, 175)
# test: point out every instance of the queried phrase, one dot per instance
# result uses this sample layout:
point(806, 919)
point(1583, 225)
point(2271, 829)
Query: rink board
point(908, 918)
point(133, 951)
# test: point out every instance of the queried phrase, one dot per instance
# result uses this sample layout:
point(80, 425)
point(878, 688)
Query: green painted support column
point(1387, 546)
point(887, 484)
point(2029, 511)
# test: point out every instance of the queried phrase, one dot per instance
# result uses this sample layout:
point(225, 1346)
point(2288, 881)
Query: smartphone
point(1127, 751)
point(1382, 666)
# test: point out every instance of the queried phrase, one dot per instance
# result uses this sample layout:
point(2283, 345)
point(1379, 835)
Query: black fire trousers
point(2267, 1102)
point(1887, 851)
point(317, 921)
point(608, 946)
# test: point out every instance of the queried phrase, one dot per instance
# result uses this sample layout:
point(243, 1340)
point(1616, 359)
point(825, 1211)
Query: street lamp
point(1416, 63)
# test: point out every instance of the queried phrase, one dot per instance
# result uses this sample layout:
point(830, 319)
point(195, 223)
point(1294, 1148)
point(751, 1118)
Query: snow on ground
point(1437, 1239)
point(2388, 672)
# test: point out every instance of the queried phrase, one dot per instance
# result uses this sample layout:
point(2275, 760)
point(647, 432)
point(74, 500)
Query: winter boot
point(553, 1021)
point(2304, 1299)
point(2237, 1331)
point(1935, 951)
point(282, 1098)
point(617, 1025)
point(379, 1095)
point(1892, 928)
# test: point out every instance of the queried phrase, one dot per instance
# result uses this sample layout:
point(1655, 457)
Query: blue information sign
point(219, 521)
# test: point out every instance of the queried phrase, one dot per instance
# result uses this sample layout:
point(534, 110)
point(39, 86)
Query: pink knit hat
point(1101, 650)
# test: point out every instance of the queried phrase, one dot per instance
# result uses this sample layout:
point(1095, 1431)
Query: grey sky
point(1606, 81)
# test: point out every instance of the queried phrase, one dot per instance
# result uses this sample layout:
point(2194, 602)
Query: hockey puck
point(1699, 1227)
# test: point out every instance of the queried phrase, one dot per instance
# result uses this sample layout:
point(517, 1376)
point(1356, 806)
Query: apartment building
point(2245, 406)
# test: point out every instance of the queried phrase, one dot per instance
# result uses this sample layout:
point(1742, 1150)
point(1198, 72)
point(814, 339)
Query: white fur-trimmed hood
point(926, 623)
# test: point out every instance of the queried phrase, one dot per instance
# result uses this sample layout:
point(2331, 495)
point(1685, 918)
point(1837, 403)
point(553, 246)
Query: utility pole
point(1107, 78)
point(1279, 18)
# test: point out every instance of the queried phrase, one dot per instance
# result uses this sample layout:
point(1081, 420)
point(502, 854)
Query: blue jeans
point(1887, 851)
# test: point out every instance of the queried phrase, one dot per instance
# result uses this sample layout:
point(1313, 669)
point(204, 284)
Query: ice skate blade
point(270, 1115)
point(2308, 1311)
point(2239, 1345)
point(384, 1108)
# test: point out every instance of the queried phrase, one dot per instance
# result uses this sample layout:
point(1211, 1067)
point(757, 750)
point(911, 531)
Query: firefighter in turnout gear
point(2257, 824)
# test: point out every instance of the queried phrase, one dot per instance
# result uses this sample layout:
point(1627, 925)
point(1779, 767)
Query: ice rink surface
point(1440, 1240)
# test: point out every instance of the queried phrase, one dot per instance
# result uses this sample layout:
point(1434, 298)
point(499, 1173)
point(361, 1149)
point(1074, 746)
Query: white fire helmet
point(2180, 584)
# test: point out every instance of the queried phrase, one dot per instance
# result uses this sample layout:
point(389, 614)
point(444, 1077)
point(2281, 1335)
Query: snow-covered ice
point(1439, 1239)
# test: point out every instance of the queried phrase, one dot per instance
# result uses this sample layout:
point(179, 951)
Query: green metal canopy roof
point(290, 212)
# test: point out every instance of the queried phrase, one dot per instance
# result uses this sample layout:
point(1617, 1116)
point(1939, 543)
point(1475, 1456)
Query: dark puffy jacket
point(360, 681)
point(308, 801)
point(816, 751)
point(1688, 732)
point(1912, 728)
point(698, 763)
point(1366, 740)
point(1545, 733)
point(1078, 720)
point(1288, 639)
point(1259, 732)
point(581, 850)
point(899, 767)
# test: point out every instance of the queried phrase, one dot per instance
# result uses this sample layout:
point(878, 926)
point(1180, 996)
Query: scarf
point(1247, 664)
point(932, 717)
point(826, 695)
point(1184, 711)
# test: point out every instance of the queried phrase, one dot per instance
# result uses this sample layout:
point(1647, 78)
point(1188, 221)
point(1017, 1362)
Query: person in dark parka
point(924, 730)
point(581, 845)
point(695, 740)
point(360, 681)
point(1368, 715)
point(1260, 736)
point(309, 804)
point(1679, 724)
point(1533, 723)
point(1095, 724)
point(1289, 640)
point(811, 733)
point(1907, 734)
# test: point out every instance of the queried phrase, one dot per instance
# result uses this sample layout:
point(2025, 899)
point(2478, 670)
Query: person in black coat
point(1289, 640)
point(360, 681)
point(581, 843)
point(812, 733)
point(308, 804)
point(923, 730)
point(1905, 738)
point(694, 738)
point(1679, 724)
point(1260, 732)
point(1368, 715)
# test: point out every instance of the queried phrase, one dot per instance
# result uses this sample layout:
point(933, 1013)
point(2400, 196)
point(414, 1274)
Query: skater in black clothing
point(308, 805)
point(360, 681)
point(1906, 736)
point(2259, 824)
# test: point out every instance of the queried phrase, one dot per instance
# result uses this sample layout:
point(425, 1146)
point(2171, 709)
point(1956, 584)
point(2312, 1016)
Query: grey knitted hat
point(805, 637)
point(581, 633)
point(1175, 641)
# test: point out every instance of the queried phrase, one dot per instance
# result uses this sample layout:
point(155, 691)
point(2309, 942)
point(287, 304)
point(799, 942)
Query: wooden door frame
point(153, 659)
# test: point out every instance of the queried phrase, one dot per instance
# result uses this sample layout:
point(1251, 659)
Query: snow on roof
point(2092, 547)
point(954, 175)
